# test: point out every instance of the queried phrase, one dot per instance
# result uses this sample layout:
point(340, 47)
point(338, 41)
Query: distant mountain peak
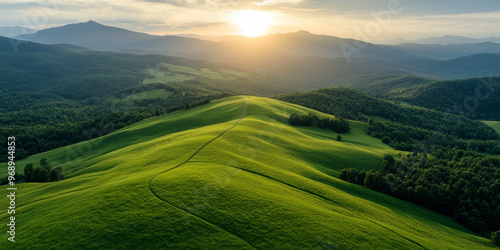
point(452, 36)
point(93, 22)
point(303, 32)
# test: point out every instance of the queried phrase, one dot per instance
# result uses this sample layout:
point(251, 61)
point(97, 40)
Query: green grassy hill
point(231, 174)
point(494, 124)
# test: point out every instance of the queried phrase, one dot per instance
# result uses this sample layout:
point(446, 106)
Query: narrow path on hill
point(256, 173)
point(186, 161)
point(317, 195)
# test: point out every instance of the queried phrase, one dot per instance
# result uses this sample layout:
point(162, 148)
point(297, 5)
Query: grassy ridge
point(494, 124)
point(262, 184)
point(165, 72)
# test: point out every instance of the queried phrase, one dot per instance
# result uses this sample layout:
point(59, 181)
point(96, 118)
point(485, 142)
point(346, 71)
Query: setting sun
point(251, 22)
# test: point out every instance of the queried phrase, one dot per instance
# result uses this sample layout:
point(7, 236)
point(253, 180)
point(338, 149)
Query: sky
point(369, 20)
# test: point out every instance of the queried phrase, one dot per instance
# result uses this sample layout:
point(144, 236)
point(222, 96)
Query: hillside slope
point(50, 94)
point(477, 98)
point(494, 124)
point(231, 174)
point(383, 85)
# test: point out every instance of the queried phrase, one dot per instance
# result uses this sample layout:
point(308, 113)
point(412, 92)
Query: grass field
point(144, 95)
point(165, 73)
point(219, 80)
point(494, 124)
point(207, 179)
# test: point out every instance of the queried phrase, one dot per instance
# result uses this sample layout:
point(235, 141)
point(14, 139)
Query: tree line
point(445, 171)
point(461, 184)
point(355, 105)
point(42, 173)
point(409, 138)
point(54, 123)
point(476, 98)
point(339, 125)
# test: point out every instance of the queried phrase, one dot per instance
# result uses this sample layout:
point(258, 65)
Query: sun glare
point(251, 22)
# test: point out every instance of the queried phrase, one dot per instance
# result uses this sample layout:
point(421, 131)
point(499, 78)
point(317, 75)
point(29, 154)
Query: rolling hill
point(230, 174)
point(51, 94)
point(382, 85)
point(304, 43)
point(78, 73)
point(477, 65)
point(494, 124)
point(446, 52)
point(477, 98)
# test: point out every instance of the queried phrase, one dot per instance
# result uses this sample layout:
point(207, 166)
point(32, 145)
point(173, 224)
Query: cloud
point(363, 8)
point(17, 5)
point(205, 4)
point(277, 2)
point(334, 17)
point(184, 26)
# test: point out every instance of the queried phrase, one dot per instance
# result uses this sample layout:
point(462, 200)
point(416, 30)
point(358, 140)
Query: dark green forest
point(355, 105)
point(43, 123)
point(384, 85)
point(53, 96)
point(447, 172)
point(337, 124)
point(476, 98)
point(461, 184)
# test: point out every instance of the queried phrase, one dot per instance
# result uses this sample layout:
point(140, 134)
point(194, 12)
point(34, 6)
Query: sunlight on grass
point(263, 184)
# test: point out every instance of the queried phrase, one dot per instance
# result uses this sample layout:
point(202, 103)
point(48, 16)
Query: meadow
point(164, 73)
point(494, 124)
point(231, 174)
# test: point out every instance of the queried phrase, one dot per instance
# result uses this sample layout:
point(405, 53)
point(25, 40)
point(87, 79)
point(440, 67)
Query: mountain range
point(447, 40)
point(96, 36)
point(12, 31)
point(293, 59)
